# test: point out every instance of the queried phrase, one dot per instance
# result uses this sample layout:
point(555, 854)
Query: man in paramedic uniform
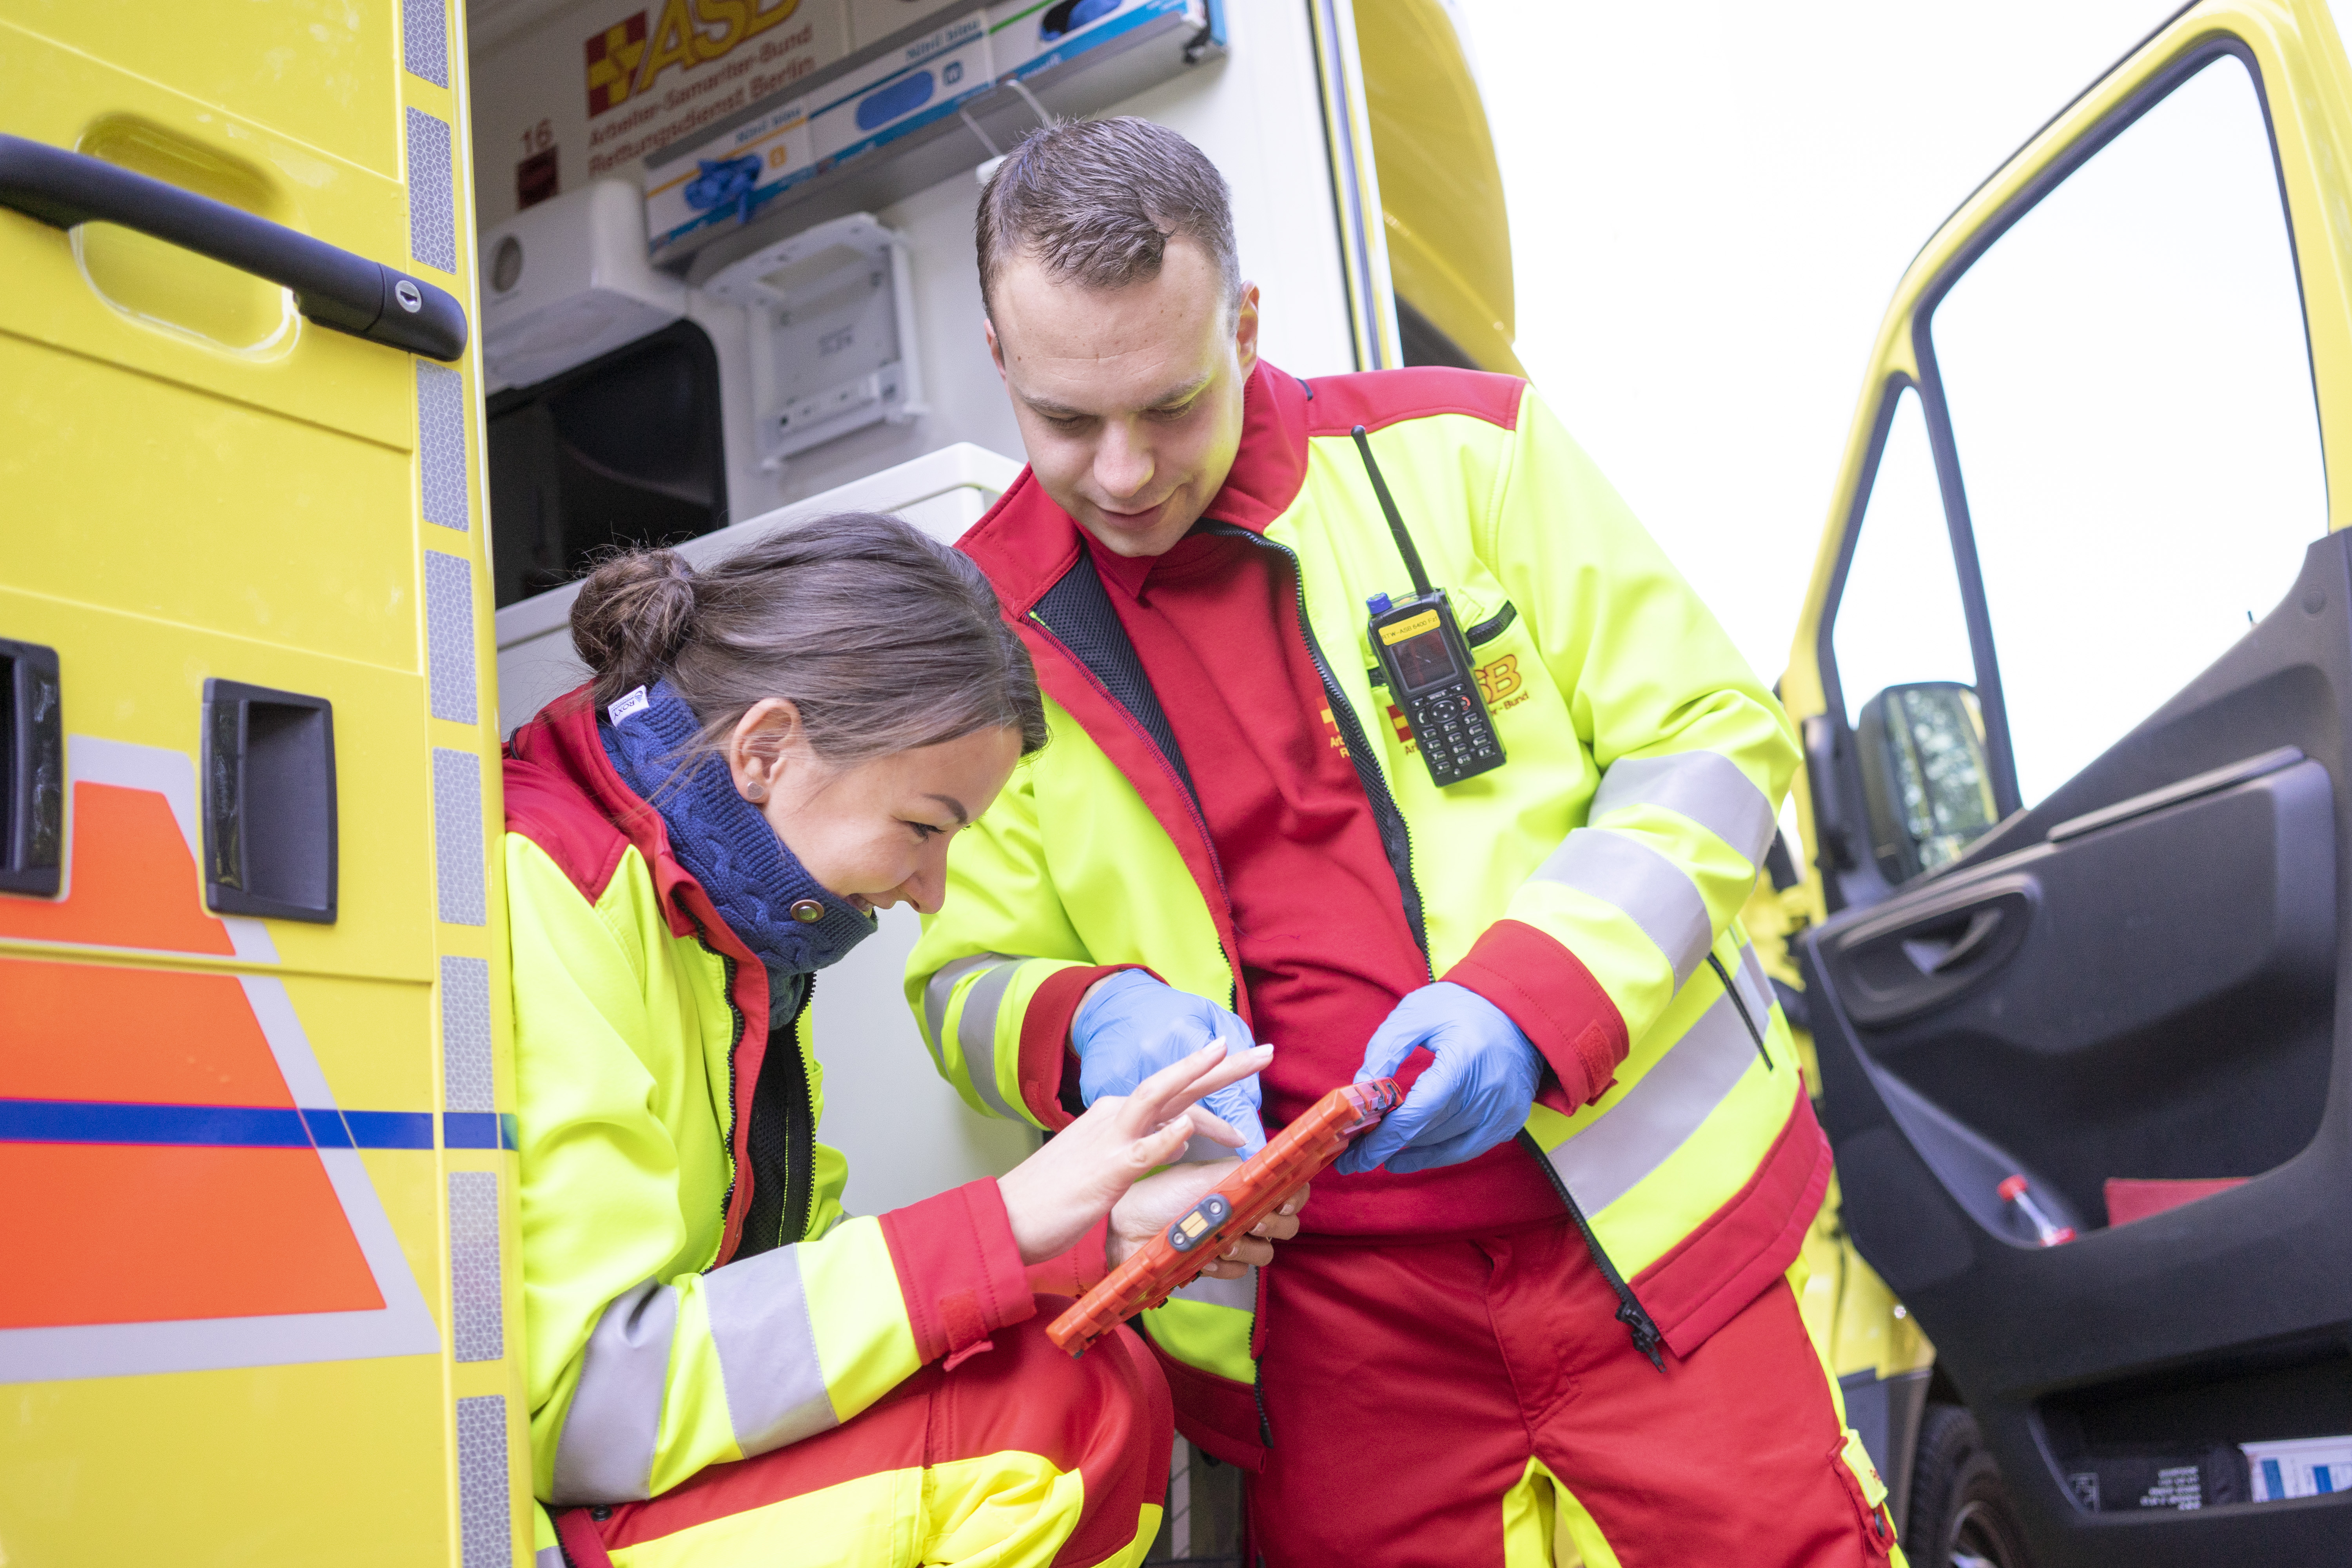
point(1544, 1306)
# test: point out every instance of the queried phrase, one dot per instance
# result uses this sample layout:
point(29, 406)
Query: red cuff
point(1555, 1003)
point(1078, 1270)
point(1045, 1039)
point(959, 1271)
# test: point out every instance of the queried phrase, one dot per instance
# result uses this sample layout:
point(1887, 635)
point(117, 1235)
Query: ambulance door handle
point(331, 286)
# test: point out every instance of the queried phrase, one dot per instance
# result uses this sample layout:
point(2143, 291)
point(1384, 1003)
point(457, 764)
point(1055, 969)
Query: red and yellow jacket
point(666, 1118)
point(1588, 887)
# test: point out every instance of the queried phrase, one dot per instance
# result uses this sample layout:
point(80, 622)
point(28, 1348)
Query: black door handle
point(1983, 924)
point(331, 286)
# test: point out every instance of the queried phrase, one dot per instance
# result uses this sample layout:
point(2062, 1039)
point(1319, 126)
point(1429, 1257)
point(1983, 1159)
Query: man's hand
point(1155, 1203)
point(1056, 1194)
point(1129, 1026)
point(1474, 1095)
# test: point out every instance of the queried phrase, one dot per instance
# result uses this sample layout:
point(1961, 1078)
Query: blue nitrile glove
point(1131, 1026)
point(1474, 1095)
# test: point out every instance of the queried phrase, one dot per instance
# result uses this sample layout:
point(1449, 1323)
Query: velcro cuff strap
point(1554, 1000)
point(959, 1272)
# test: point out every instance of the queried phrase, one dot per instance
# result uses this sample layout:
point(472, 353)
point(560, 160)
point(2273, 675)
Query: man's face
point(1129, 399)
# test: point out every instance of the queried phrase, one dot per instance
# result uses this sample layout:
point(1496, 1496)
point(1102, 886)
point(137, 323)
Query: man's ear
point(995, 349)
point(1245, 330)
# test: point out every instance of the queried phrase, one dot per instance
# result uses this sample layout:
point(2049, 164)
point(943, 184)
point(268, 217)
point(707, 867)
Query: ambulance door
point(256, 1296)
point(2076, 681)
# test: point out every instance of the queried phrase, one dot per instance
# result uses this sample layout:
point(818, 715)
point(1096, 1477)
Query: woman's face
point(874, 833)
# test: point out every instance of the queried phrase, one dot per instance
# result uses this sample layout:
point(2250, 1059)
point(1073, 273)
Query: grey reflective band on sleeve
point(605, 1453)
point(1757, 985)
point(548, 1557)
point(1663, 1108)
point(939, 990)
point(1705, 786)
point(767, 1351)
point(1653, 892)
point(976, 1032)
point(1239, 1294)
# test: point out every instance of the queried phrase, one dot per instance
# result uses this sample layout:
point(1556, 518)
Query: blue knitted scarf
point(724, 841)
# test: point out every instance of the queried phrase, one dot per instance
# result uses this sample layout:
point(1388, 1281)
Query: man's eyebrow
point(953, 804)
point(1052, 410)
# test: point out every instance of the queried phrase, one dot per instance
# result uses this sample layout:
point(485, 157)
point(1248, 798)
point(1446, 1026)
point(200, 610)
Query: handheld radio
point(1427, 661)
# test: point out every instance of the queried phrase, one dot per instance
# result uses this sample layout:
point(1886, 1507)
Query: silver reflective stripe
point(767, 1351)
point(485, 1522)
point(1705, 786)
point(1634, 1136)
point(606, 1451)
point(976, 1031)
point(1759, 987)
point(1656, 894)
point(1239, 1294)
point(939, 990)
point(548, 1557)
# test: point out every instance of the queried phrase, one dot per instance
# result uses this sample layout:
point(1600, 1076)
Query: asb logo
point(184, 1192)
point(612, 56)
point(625, 58)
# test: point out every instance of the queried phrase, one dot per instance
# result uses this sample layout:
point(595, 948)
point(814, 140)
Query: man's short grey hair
point(1097, 201)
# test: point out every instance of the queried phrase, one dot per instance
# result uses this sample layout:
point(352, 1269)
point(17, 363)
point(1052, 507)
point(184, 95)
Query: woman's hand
point(1056, 1194)
point(1155, 1203)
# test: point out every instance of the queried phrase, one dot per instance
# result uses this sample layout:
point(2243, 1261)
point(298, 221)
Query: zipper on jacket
point(1737, 1001)
point(1396, 836)
point(1257, 1392)
point(1630, 1311)
point(800, 1126)
point(734, 1045)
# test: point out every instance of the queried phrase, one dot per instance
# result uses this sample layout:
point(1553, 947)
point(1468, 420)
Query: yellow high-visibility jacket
point(692, 1292)
point(1588, 887)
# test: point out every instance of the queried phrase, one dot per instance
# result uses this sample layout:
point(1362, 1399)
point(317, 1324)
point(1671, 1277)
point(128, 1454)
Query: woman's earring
point(755, 792)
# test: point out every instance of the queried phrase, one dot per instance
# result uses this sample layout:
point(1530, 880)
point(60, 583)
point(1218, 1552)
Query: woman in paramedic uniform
point(724, 1367)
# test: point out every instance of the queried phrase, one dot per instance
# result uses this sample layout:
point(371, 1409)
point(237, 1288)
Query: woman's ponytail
point(633, 615)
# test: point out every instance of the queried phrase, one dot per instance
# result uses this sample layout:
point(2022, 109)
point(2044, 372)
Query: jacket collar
point(562, 741)
point(1026, 542)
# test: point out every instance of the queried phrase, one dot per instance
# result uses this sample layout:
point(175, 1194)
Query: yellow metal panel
point(310, 70)
point(203, 485)
point(1441, 188)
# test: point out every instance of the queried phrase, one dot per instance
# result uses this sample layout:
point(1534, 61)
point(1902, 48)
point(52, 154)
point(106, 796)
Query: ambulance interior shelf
point(623, 450)
point(331, 286)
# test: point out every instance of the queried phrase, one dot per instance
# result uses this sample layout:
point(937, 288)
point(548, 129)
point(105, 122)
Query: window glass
point(1899, 618)
point(2130, 396)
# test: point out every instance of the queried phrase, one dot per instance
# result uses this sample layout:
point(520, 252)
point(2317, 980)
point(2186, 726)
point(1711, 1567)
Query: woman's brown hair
point(885, 639)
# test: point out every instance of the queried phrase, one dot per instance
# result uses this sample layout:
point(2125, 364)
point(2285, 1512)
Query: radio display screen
point(1420, 661)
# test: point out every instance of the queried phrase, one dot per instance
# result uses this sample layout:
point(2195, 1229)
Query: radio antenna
point(1396, 524)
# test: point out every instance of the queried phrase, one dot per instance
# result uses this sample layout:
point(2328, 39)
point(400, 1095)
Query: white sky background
point(1711, 204)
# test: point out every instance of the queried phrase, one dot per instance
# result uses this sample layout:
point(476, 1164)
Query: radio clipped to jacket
point(1426, 658)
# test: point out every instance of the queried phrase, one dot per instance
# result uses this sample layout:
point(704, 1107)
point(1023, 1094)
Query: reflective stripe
point(767, 1351)
point(937, 993)
point(1655, 893)
point(1759, 987)
point(1239, 1294)
point(606, 1451)
point(1633, 1137)
point(976, 1031)
point(548, 1557)
point(1705, 786)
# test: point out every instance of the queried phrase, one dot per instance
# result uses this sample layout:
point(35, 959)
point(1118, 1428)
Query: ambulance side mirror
point(1925, 781)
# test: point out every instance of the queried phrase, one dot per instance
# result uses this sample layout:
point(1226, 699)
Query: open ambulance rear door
point(257, 1294)
point(2075, 680)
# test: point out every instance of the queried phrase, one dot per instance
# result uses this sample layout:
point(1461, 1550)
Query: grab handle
point(331, 286)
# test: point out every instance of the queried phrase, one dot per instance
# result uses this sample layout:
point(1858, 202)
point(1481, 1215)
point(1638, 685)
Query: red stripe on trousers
point(1105, 1414)
point(1407, 1386)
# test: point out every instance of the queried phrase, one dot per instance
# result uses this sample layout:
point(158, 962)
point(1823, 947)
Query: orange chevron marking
point(133, 883)
point(96, 1233)
point(72, 1031)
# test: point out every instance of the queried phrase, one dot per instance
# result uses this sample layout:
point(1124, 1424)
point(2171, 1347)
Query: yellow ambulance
point(2068, 924)
point(304, 295)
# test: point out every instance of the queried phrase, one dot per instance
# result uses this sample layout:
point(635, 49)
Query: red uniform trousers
point(1410, 1386)
point(972, 1461)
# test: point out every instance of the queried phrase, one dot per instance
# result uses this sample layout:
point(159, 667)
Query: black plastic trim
point(32, 770)
point(268, 769)
point(331, 286)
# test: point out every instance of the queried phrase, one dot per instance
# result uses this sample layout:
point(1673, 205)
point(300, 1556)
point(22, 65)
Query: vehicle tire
point(1960, 1515)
